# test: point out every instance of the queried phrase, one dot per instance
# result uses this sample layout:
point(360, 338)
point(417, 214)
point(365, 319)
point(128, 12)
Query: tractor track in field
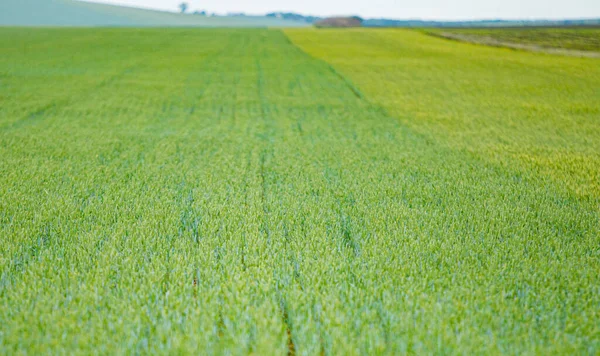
point(39, 113)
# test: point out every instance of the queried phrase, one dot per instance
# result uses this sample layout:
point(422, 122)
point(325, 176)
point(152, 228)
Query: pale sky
point(400, 9)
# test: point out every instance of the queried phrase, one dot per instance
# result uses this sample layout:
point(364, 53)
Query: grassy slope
point(581, 39)
point(242, 196)
point(79, 13)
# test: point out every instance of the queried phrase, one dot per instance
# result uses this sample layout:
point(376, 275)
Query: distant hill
point(481, 23)
point(382, 22)
point(78, 13)
point(294, 17)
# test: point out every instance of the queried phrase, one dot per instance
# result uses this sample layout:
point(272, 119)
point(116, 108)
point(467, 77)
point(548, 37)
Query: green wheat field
point(295, 192)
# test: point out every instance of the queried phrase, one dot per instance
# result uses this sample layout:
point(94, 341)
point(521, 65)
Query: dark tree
point(183, 7)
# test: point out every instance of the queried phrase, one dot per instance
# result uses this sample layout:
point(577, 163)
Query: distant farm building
point(353, 21)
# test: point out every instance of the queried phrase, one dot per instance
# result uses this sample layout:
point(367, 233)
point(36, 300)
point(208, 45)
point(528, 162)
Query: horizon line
point(230, 13)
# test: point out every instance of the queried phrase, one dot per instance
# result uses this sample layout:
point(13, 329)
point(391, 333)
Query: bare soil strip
point(488, 41)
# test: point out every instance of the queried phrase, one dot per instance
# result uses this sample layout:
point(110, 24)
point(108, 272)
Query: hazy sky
point(402, 9)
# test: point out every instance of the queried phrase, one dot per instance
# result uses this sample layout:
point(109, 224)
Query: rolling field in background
point(295, 192)
point(83, 13)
